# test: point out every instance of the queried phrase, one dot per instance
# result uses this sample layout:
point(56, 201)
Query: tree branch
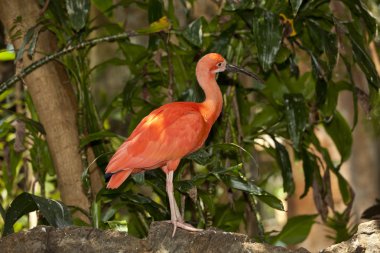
point(89, 43)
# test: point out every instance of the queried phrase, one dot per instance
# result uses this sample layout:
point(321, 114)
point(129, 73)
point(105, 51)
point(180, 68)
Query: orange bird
point(171, 132)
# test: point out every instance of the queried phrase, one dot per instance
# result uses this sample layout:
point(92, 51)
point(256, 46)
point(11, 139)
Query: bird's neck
point(212, 106)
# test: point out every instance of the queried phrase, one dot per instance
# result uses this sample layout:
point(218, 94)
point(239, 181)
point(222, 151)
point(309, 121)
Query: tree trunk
point(55, 103)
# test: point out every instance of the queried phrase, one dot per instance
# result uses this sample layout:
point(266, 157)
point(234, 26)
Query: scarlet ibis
point(171, 132)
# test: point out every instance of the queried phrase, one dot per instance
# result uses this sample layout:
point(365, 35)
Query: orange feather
point(172, 131)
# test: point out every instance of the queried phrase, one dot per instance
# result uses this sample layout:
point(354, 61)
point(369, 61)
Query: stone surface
point(85, 239)
point(367, 239)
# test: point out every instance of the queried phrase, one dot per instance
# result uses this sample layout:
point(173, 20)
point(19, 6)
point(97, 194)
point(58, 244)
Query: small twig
point(171, 70)
point(5, 85)
point(374, 56)
point(235, 107)
point(44, 8)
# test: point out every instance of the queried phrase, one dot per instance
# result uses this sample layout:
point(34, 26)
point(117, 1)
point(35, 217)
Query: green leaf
point(232, 146)
point(239, 5)
point(340, 133)
point(296, 229)
point(323, 41)
point(103, 5)
point(7, 55)
point(77, 11)
point(155, 10)
point(360, 11)
point(296, 117)
point(361, 56)
point(321, 92)
point(286, 168)
point(266, 117)
point(33, 44)
point(28, 36)
point(139, 178)
point(121, 225)
point(202, 156)
point(54, 212)
point(5, 128)
point(96, 214)
point(295, 5)
point(161, 24)
point(84, 141)
point(157, 211)
point(344, 188)
point(309, 166)
point(267, 34)
point(267, 198)
point(194, 32)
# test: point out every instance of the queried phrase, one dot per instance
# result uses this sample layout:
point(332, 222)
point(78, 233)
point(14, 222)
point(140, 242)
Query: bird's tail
point(118, 178)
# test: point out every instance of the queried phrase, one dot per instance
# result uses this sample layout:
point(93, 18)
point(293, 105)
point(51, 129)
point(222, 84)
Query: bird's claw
point(184, 226)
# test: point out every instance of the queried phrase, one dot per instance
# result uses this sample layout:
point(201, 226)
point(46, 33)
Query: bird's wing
point(170, 132)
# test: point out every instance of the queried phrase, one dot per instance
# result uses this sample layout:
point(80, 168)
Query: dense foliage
point(305, 51)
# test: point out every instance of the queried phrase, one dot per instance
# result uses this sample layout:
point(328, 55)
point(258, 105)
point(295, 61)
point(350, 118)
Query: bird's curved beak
point(235, 69)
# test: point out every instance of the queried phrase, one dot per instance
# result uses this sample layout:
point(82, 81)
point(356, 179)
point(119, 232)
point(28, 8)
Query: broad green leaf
point(221, 45)
point(296, 117)
point(267, 198)
point(340, 133)
point(323, 41)
point(161, 24)
point(266, 117)
point(155, 10)
point(157, 211)
point(5, 128)
point(362, 57)
point(136, 225)
point(309, 166)
point(233, 146)
point(207, 201)
point(103, 5)
point(360, 11)
point(202, 156)
point(286, 168)
point(345, 189)
point(194, 32)
point(77, 11)
point(283, 54)
point(304, 84)
point(295, 5)
point(6, 55)
point(267, 34)
point(84, 141)
point(321, 92)
point(218, 173)
point(184, 185)
point(54, 212)
point(96, 214)
point(296, 229)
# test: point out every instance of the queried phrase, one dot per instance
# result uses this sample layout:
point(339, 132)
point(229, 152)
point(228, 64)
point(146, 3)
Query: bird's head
point(216, 63)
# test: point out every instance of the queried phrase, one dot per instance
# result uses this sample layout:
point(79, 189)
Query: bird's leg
point(178, 213)
point(172, 204)
point(175, 215)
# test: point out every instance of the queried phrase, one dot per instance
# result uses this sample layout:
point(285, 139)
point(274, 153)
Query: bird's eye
point(219, 64)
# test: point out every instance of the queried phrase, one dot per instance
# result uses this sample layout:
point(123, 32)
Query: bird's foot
point(184, 226)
